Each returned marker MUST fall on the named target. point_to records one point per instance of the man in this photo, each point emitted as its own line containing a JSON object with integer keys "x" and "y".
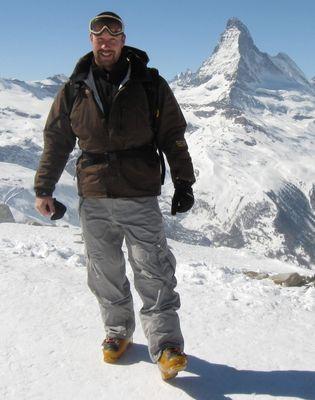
{"x": 107, "y": 105}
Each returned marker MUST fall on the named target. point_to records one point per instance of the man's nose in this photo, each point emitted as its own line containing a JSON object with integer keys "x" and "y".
{"x": 105, "y": 45}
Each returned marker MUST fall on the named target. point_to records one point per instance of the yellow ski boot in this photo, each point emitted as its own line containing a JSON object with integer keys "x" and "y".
{"x": 171, "y": 362}
{"x": 114, "y": 348}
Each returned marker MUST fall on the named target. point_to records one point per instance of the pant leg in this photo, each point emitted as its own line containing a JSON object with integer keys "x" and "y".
{"x": 106, "y": 266}
{"x": 154, "y": 273}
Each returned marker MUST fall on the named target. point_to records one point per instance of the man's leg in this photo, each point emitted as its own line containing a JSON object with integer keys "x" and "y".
{"x": 154, "y": 268}
{"x": 106, "y": 266}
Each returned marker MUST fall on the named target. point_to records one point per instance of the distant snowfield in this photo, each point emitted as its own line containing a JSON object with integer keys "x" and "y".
{"x": 17, "y": 190}
{"x": 245, "y": 338}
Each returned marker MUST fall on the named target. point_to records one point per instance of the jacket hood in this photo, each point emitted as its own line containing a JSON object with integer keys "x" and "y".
{"x": 138, "y": 60}
{"x": 142, "y": 55}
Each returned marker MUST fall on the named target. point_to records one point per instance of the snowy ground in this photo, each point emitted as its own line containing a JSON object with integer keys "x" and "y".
{"x": 245, "y": 338}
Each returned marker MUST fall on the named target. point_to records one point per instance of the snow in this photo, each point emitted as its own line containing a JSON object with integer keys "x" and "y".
{"x": 245, "y": 338}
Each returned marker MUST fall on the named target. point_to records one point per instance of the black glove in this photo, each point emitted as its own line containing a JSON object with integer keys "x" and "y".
{"x": 183, "y": 198}
{"x": 60, "y": 210}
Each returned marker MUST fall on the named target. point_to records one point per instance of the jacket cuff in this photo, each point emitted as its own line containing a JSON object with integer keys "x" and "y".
{"x": 43, "y": 193}
{"x": 180, "y": 183}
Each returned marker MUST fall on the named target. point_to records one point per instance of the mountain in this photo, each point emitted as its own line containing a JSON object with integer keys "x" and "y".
{"x": 251, "y": 129}
{"x": 39, "y": 89}
{"x": 23, "y": 111}
{"x": 251, "y": 120}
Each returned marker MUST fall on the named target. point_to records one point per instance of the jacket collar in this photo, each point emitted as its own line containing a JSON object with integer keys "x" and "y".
{"x": 137, "y": 58}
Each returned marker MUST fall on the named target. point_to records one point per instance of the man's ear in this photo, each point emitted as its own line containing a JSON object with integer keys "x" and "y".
{"x": 91, "y": 37}
{"x": 123, "y": 38}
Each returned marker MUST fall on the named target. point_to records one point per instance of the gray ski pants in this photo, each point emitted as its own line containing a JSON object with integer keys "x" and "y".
{"x": 105, "y": 224}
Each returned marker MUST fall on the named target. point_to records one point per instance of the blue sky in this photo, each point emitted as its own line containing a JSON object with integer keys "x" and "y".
{"x": 42, "y": 38}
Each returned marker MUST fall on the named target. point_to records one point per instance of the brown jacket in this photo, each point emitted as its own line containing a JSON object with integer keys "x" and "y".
{"x": 127, "y": 127}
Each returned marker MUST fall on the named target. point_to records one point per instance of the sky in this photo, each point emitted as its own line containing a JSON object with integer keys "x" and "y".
{"x": 42, "y": 38}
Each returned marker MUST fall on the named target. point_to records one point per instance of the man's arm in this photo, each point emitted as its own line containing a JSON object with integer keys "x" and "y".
{"x": 171, "y": 139}
{"x": 59, "y": 141}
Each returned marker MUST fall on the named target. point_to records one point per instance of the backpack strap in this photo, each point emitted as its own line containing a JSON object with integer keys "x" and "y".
{"x": 152, "y": 92}
{"x": 71, "y": 92}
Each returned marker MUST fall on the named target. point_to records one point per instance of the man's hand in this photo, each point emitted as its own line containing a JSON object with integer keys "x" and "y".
{"x": 45, "y": 205}
{"x": 183, "y": 198}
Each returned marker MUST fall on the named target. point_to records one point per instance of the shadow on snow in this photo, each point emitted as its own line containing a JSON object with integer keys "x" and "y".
{"x": 216, "y": 381}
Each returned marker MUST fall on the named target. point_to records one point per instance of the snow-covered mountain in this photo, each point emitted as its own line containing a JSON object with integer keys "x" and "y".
{"x": 251, "y": 132}
{"x": 252, "y": 138}
{"x": 23, "y": 111}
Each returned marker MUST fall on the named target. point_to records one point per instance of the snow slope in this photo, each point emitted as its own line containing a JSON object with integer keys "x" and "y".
{"x": 245, "y": 338}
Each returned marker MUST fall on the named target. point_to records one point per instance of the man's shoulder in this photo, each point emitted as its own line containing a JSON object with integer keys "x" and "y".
{"x": 157, "y": 77}
{"x": 161, "y": 81}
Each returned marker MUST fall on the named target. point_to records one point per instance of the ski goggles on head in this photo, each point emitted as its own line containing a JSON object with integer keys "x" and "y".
{"x": 114, "y": 26}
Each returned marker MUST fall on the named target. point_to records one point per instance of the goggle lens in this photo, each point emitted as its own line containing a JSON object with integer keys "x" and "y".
{"x": 99, "y": 24}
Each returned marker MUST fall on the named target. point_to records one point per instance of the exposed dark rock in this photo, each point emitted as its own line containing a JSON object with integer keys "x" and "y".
{"x": 256, "y": 275}
{"x": 252, "y": 212}
{"x": 231, "y": 112}
{"x": 204, "y": 114}
{"x": 36, "y": 223}
{"x": 296, "y": 221}
{"x": 26, "y": 155}
{"x": 291, "y": 279}
{"x": 5, "y": 213}
{"x": 251, "y": 142}
{"x": 234, "y": 238}
{"x": 249, "y": 125}
{"x": 184, "y": 235}
{"x": 312, "y": 197}
{"x": 39, "y": 90}
{"x": 9, "y": 110}
{"x": 191, "y": 128}
{"x": 299, "y": 117}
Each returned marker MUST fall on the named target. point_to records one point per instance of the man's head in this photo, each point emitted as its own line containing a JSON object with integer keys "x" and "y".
{"x": 107, "y": 38}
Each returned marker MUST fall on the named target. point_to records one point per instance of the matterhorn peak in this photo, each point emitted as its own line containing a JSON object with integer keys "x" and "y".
{"x": 238, "y": 24}
{"x": 235, "y": 43}
{"x": 238, "y": 32}
{"x": 237, "y": 65}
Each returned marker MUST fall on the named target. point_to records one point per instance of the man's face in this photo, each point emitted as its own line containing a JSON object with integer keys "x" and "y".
{"x": 107, "y": 48}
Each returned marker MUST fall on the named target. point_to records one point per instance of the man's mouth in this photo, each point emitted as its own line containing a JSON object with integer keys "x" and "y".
{"x": 105, "y": 53}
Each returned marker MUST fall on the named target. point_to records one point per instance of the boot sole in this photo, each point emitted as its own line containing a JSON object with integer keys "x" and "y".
{"x": 172, "y": 372}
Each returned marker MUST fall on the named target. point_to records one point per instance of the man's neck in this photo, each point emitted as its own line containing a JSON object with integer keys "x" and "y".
{"x": 116, "y": 73}
{"x": 102, "y": 67}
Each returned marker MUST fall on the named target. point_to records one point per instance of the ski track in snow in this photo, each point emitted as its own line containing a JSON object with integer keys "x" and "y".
{"x": 245, "y": 338}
